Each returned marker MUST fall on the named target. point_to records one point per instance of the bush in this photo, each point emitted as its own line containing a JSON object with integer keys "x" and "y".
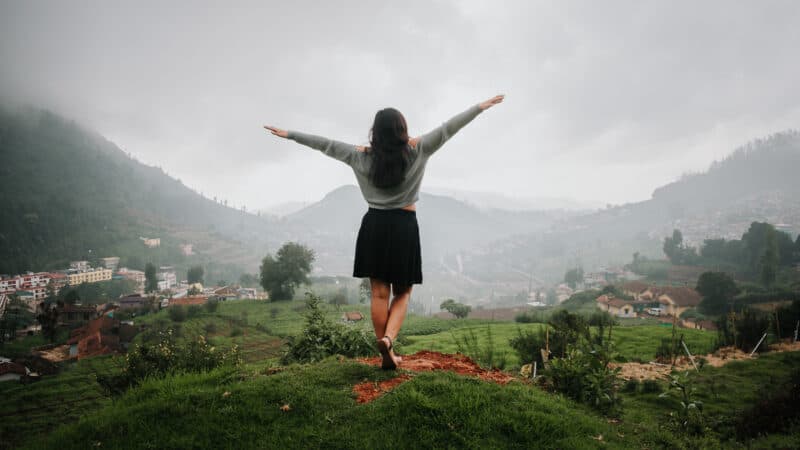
{"x": 321, "y": 338}
{"x": 485, "y": 356}
{"x": 193, "y": 311}
{"x": 688, "y": 416}
{"x": 651, "y": 387}
{"x": 630, "y": 386}
{"x": 273, "y": 312}
{"x": 211, "y": 305}
{"x": 528, "y": 345}
{"x": 584, "y": 375}
{"x": 459, "y": 310}
{"x": 745, "y": 331}
{"x": 177, "y": 313}
{"x": 210, "y": 327}
{"x": 165, "y": 357}
{"x": 568, "y": 330}
{"x": 236, "y": 331}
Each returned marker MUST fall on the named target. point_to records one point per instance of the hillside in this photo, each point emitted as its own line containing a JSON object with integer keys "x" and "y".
{"x": 758, "y": 182}
{"x": 69, "y": 194}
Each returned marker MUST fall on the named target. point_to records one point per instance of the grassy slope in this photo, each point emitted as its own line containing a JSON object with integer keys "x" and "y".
{"x": 631, "y": 342}
{"x": 433, "y": 410}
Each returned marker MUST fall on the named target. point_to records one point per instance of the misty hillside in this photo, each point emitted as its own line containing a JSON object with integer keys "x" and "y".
{"x": 331, "y": 225}
{"x": 67, "y": 191}
{"x": 757, "y": 182}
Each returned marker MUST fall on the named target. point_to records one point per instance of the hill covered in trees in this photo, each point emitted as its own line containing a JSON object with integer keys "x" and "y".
{"x": 68, "y": 193}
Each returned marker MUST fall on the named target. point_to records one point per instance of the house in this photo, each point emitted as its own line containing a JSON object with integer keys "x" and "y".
{"x": 166, "y": 278}
{"x": 676, "y": 300}
{"x": 11, "y": 371}
{"x": 226, "y": 293}
{"x": 75, "y": 314}
{"x": 352, "y": 316}
{"x": 247, "y": 293}
{"x": 133, "y": 301}
{"x": 634, "y": 288}
{"x": 617, "y": 307}
{"x": 111, "y": 262}
{"x": 137, "y": 276}
{"x": 101, "y": 336}
{"x": 189, "y": 301}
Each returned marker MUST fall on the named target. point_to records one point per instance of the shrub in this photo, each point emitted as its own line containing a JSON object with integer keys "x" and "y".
{"x": 689, "y": 410}
{"x": 528, "y": 345}
{"x": 236, "y": 331}
{"x": 177, "y": 313}
{"x": 487, "y": 355}
{"x": 193, "y": 311}
{"x": 321, "y": 338}
{"x": 651, "y": 387}
{"x": 584, "y": 375}
{"x": 568, "y": 330}
{"x": 165, "y": 357}
{"x": 211, "y": 305}
{"x": 745, "y": 331}
{"x": 210, "y": 327}
{"x": 630, "y": 386}
{"x": 273, "y": 312}
{"x": 459, "y": 310}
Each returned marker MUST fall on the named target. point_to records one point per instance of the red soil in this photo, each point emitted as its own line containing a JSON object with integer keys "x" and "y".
{"x": 425, "y": 361}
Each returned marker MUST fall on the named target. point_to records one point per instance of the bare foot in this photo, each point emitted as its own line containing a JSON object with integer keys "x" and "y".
{"x": 389, "y": 360}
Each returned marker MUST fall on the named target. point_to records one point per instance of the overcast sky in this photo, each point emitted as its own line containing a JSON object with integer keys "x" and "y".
{"x": 605, "y": 100}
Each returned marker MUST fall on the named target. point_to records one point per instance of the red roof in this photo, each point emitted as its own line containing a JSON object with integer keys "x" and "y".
{"x": 197, "y": 300}
{"x": 67, "y": 308}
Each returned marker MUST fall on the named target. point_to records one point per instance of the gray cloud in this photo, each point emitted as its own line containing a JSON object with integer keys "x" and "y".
{"x": 596, "y": 91}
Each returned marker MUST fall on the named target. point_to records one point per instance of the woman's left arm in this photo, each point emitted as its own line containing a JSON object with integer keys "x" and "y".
{"x": 347, "y": 153}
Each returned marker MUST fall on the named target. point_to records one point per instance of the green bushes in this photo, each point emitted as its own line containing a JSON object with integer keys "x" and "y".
{"x": 744, "y": 330}
{"x": 177, "y": 313}
{"x": 585, "y": 376}
{"x": 321, "y": 338}
{"x": 211, "y": 305}
{"x": 167, "y": 356}
{"x": 487, "y": 355}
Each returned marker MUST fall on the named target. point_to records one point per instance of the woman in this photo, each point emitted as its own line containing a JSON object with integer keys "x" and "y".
{"x": 389, "y": 173}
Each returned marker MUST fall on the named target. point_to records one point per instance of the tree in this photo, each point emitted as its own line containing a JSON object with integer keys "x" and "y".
{"x": 72, "y": 297}
{"x": 150, "y": 280}
{"x": 248, "y": 280}
{"x": 717, "y": 289}
{"x": 16, "y": 316}
{"x": 287, "y": 270}
{"x": 47, "y": 316}
{"x": 339, "y": 298}
{"x": 769, "y": 259}
{"x": 457, "y": 309}
{"x": 573, "y": 277}
{"x": 195, "y": 274}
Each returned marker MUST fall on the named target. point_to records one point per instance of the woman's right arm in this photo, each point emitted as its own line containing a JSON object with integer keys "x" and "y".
{"x": 432, "y": 141}
{"x": 335, "y": 149}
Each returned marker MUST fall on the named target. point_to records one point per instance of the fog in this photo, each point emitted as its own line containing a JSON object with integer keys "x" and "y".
{"x": 605, "y": 102}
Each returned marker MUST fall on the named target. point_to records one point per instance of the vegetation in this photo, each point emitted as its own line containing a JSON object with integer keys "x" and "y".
{"x": 718, "y": 290}
{"x": 195, "y": 274}
{"x": 573, "y": 277}
{"x": 289, "y": 269}
{"x": 150, "y": 280}
{"x": 459, "y": 310}
{"x": 321, "y": 338}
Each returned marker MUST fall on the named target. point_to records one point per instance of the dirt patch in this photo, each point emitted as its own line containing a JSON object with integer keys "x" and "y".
{"x": 55, "y": 354}
{"x": 425, "y": 361}
{"x": 724, "y": 355}
{"x": 370, "y": 390}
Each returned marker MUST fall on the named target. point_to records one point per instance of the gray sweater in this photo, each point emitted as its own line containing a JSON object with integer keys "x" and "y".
{"x": 405, "y": 193}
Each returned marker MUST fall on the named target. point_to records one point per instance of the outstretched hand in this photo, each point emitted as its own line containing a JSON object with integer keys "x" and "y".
{"x": 277, "y": 131}
{"x": 492, "y": 101}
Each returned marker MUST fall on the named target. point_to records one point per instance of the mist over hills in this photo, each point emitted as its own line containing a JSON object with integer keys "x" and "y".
{"x": 67, "y": 190}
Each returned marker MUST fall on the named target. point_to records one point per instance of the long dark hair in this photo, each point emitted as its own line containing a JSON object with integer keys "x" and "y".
{"x": 388, "y": 139}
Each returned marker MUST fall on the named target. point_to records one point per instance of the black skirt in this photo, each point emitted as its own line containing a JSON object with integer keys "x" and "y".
{"x": 387, "y": 247}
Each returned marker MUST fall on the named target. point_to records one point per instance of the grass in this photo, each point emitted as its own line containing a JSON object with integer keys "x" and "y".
{"x": 30, "y": 410}
{"x": 632, "y": 343}
{"x": 433, "y": 410}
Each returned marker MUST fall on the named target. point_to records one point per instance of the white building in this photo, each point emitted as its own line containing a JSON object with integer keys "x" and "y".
{"x": 166, "y": 278}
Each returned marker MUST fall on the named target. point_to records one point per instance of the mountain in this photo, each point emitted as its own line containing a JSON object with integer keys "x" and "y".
{"x": 757, "y": 182}
{"x": 493, "y": 200}
{"x": 68, "y": 193}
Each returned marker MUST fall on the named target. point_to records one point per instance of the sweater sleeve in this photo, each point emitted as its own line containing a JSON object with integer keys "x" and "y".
{"x": 346, "y": 153}
{"x": 431, "y": 141}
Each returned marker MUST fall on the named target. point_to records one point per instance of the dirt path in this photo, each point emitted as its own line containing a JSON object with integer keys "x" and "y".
{"x": 654, "y": 371}
{"x": 424, "y": 361}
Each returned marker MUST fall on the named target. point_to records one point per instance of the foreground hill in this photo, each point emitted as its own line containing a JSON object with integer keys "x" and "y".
{"x": 68, "y": 193}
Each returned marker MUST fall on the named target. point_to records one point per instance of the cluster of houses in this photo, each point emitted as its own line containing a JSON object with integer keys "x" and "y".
{"x": 654, "y": 301}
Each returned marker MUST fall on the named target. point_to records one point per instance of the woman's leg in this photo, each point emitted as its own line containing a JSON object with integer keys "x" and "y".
{"x": 379, "y": 306}
{"x": 397, "y": 311}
